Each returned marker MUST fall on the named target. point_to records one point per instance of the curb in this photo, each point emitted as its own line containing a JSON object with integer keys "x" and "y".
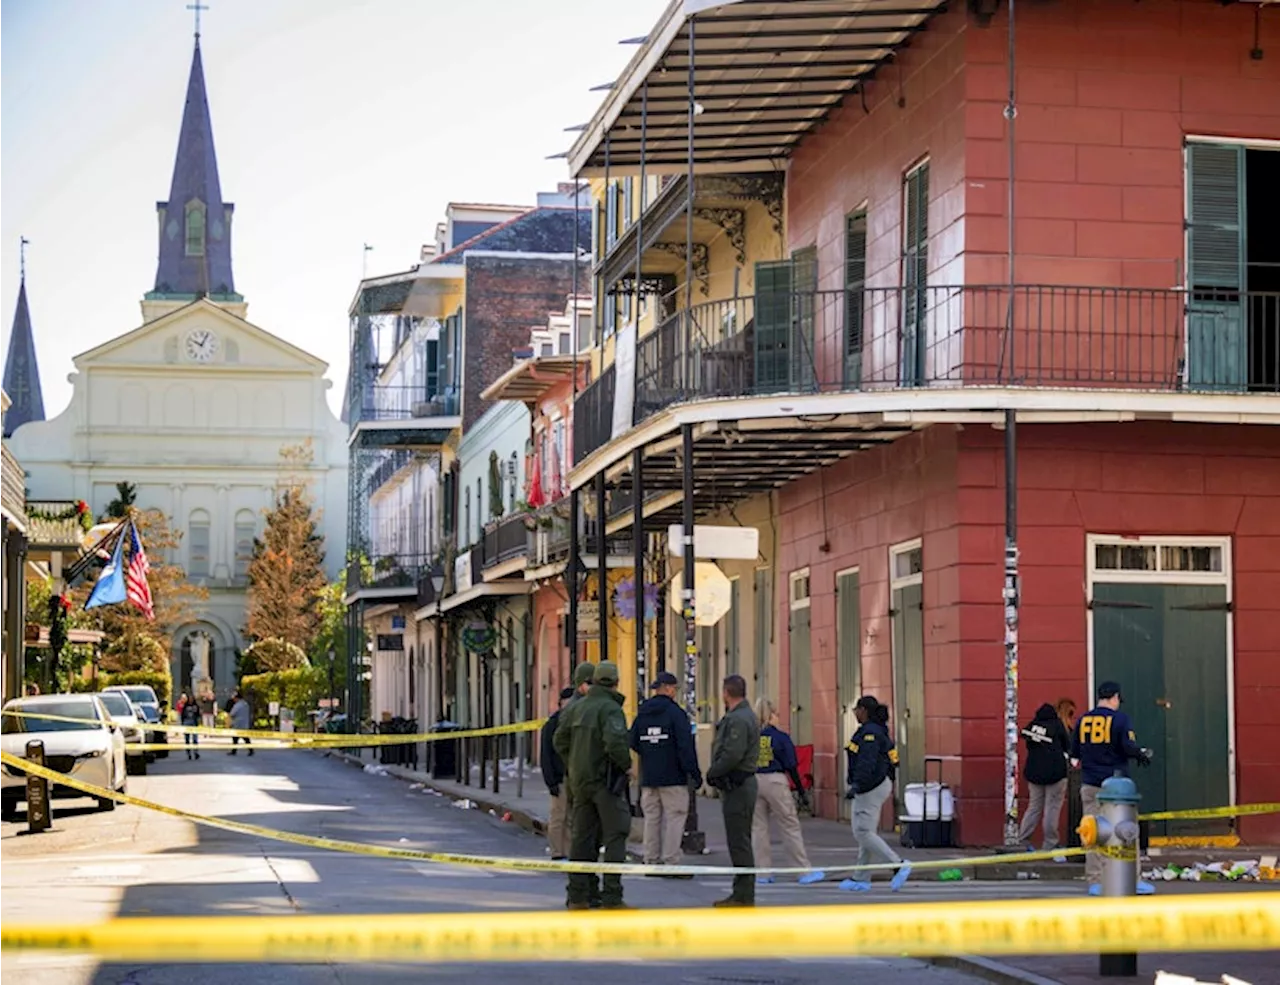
{"x": 991, "y": 971}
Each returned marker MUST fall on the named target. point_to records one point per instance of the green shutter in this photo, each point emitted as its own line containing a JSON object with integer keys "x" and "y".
{"x": 804, "y": 275}
{"x": 1217, "y": 346}
{"x": 915, "y": 274}
{"x": 855, "y": 276}
{"x": 772, "y": 325}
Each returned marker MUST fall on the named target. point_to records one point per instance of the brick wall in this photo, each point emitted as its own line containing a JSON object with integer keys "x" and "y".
{"x": 505, "y": 297}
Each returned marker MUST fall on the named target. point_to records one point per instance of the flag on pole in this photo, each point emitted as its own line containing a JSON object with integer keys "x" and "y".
{"x": 138, "y": 590}
{"x": 109, "y": 588}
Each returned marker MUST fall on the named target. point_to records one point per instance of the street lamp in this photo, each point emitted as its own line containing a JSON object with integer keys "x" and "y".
{"x": 437, "y": 585}
{"x": 332, "y": 657}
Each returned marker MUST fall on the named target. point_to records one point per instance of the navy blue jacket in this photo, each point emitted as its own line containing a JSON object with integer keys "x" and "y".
{"x": 552, "y": 764}
{"x": 663, "y": 736}
{"x": 1104, "y": 743}
{"x": 871, "y": 757}
{"x": 777, "y": 751}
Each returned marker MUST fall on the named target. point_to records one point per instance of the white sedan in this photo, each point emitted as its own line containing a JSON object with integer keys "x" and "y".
{"x": 132, "y": 724}
{"x": 90, "y": 747}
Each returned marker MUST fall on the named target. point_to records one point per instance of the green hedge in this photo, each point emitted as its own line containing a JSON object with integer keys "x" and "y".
{"x": 300, "y": 690}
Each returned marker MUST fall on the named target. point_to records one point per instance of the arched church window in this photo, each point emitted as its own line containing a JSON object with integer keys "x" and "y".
{"x": 195, "y": 230}
{"x": 198, "y": 545}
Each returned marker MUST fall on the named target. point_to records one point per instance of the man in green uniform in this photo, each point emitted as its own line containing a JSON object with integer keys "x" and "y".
{"x": 593, "y": 741}
{"x": 582, "y": 677}
{"x": 733, "y": 772}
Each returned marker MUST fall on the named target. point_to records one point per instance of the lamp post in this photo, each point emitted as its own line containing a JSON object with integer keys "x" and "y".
{"x": 332, "y": 657}
{"x": 437, "y": 584}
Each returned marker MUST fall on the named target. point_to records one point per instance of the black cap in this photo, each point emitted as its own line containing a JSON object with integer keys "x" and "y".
{"x": 664, "y": 678}
{"x": 1108, "y": 689}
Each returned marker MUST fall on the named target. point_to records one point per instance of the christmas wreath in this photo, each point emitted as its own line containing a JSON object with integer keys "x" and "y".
{"x": 79, "y": 510}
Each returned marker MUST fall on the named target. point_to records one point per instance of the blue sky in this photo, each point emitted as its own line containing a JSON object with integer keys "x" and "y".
{"x": 337, "y": 122}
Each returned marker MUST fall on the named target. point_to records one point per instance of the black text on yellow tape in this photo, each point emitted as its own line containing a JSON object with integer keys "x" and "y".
{"x": 507, "y": 863}
{"x": 1220, "y": 922}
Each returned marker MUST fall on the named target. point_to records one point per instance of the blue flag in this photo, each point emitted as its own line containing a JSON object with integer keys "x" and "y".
{"x": 110, "y": 587}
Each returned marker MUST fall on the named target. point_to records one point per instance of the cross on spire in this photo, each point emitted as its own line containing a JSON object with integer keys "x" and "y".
{"x": 197, "y": 7}
{"x": 22, "y": 257}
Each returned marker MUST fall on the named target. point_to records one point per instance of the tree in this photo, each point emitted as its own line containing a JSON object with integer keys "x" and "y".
{"x": 286, "y": 574}
{"x": 174, "y": 597}
{"x": 126, "y": 496}
{"x": 274, "y": 654}
{"x": 135, "y": 652}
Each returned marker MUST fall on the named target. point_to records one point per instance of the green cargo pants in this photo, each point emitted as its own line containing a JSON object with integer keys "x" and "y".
{"x": 739, "y": 806}
{"x": 601, "y": 819}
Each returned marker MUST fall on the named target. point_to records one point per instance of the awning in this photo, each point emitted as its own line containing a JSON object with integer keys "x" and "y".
{"x": 529, "y": 379}
{"x": 483, "y": 590}
{"x": 765, "y": 73}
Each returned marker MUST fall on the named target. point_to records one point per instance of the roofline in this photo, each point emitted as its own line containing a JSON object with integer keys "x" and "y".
{"x": 529, "y": 365}
{"x": 423, "y": 271}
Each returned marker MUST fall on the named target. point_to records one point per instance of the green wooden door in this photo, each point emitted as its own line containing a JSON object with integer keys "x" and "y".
{"x": 762, "y": 627}
{"x": 804, "y": 283}
{"x": 855, "y": 277}
{"x": 1217, "y": 341}
{"x": 908, "y": 683}
{"x": 915, "y": 276}
{"x": 801, "y": 678}
{"x": 848, "y": 670}
{"x": 1166, "y": 645}
{"x": 772, "y": 326}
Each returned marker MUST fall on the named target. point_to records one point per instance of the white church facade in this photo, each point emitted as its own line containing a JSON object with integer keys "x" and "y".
{"x": 194, "y": 408}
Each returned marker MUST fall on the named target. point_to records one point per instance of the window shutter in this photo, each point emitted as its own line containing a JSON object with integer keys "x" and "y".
{"x": 855, "y": 277}
{"x": 915, "y": 275}
{"x": 1215, "y": 189}
{"x": 772, "y": 324}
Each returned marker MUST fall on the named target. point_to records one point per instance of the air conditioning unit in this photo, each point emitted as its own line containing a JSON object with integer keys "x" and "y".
{"x": 428, "y": 408}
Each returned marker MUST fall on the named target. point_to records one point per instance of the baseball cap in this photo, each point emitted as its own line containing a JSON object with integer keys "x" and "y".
{"x": 664, "y": 678}
{"x": 583, "y": 673}
{"x": 1108, "y": 689}
{"x": 606, "y": 674}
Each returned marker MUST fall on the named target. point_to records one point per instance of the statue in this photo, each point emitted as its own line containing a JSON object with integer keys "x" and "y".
{"x": 201, "y": 680}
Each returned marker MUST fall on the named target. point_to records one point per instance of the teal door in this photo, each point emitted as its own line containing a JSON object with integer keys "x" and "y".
{"x": 848, "y": 671}
{"x": 772, "y": 339}
{"x": 1217, "y": 345}
{"x": 908, "y": 683}
{"x": 801, "y": 678}
{"x": 1166, "y": 645}
{"x": 804, "y": 358}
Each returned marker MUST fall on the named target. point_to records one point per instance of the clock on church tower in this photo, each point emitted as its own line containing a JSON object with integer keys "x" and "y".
{"x": 201, "y": 345}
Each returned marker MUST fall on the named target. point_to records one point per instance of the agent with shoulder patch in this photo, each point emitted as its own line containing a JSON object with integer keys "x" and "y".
{"x": 872, "y": 766}
{"x": 733, "y": 772}
{"x": 663, "y": 736}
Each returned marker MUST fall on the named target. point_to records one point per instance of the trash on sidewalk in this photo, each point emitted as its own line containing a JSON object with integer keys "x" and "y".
{"x": 506, "y": 816}
{"x": 375, "y": 769}
{"x": 464, "y": 804}
{"x": 1168, "y": 978}
{"x": 950, "y": 875}
{"x": 1246, "y": 871}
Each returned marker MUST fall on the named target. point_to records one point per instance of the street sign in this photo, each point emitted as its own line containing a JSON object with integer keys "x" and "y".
{"x": 712, "y": 593}
{"x": 723, "y": 543}
{"x": 588, "y": 620}
{"x": 38, "y": 817}
{"x": 273, "y": 707}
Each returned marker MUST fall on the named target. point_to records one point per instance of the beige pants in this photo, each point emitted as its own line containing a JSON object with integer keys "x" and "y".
{"x": 775, "y": 800}
{"x": 558, "y": 825}
{"x": 665, "y": 810}
{"x": 1045, "y": 802}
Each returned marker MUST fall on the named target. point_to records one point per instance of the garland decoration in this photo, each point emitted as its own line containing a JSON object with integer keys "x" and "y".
{"x": 79, "y": 510}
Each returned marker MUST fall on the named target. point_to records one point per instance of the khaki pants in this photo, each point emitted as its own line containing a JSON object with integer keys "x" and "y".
{"x": 558, "y": 825}
{"x": 775, "y": 800}
{"x": 1045, "y": 802}
{"x": 865, "y": 822}
{"x": 665, "y": 810}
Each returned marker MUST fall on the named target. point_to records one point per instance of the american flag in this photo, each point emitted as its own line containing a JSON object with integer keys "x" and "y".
{"x": 137, "y": 590}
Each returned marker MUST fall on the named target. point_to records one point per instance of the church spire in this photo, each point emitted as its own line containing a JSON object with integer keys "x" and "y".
{"x": 21, "y": 373}
{"x": 195, "y": 223}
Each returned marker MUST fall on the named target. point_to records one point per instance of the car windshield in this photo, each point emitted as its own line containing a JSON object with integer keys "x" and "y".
{"x": 140, "y": 695}
{"x": 85, "y": 712}
{"x": 116, "y": 703}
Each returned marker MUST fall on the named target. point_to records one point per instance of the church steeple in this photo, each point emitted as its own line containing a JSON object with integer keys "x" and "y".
{"x": 21, "y": 374}
{"x": 195, "y": 223}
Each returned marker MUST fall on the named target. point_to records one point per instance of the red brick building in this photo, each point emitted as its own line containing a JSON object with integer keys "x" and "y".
{"x": 864, "y": 380}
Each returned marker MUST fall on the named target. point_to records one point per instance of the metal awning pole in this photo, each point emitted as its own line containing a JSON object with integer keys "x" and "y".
{"x": 637, "y": 530}
{"x": 602, "y": 568}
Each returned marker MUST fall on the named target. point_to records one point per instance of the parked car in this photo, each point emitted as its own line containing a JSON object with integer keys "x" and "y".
{"x": 91, "y": 748}
{"x": 129, "y": 718}
{"x": 145, "y": 698}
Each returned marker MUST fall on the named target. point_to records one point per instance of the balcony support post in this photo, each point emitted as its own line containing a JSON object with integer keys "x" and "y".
{"x": 571, "y": 585}
{"x": 602, "y": 569}
{"x": 637, "y": 530}
{"x": 694, "y": 841}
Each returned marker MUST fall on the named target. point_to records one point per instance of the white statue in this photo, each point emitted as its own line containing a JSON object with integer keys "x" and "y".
{"x": 201, "y": 680}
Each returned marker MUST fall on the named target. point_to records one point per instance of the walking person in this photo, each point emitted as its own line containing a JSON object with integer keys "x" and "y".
{"x": 553, "y": 775}
{"x": 189, "y": 714}
{"x": 208, "y": 709}
{"x": 593, "y": 742}
{"x": 663, "y": 736}
{"x": 1048, "y": 752}
{"x": 734, "y": 754}
{"x": 1103, "y": 744}
{"x": 872, "y": 766}
{"x": 777, "y": 762}
{"x": 241, "y": 718}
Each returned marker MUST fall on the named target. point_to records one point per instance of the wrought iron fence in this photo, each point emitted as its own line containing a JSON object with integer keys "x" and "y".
{"x": 403, "y": 403}
{"x": 505, "y": 539}
{"x": 884, "y": 338}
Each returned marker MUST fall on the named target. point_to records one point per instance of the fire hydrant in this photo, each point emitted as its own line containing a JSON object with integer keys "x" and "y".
{"x": 1116, "y": 829}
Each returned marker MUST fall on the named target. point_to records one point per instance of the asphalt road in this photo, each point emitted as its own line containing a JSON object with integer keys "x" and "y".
{"x": 132, "y": 862}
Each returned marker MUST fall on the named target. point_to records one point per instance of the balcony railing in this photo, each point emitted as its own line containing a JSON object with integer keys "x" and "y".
{"x": 506, "y": 539}
{"x": 889, "y": 338}
{"x": 388, "y": 570}
{"x": 55, "y": 523}
{"x": 403, "y": 403}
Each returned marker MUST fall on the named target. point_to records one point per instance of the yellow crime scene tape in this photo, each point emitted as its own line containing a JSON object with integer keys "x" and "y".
{"x": 508, "y": 863}
{"x": 303, "y": 739}
{"x": 1217, "y": 922}
{"x": 1190, "y": 814}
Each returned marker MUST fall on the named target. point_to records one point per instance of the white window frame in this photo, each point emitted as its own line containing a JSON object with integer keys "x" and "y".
{"x": 896, "y": 551}
{"x": 792, "y": 579}
{"x": 1093, "y": 575}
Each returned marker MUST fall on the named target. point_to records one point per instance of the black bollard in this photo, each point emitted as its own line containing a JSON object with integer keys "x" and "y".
{"x": 38, "y": 816}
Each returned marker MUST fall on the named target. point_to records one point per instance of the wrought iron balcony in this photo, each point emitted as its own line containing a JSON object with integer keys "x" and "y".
{"x": 387, "y": 570}
{"x": 403, "y": 403}
{"x": 890, "y": 338}
{"x": 506, "y": 538}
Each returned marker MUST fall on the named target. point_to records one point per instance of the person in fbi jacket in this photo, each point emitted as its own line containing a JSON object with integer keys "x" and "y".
{"x": 1103, "y": 744}
{"x": 663, "y": 736}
